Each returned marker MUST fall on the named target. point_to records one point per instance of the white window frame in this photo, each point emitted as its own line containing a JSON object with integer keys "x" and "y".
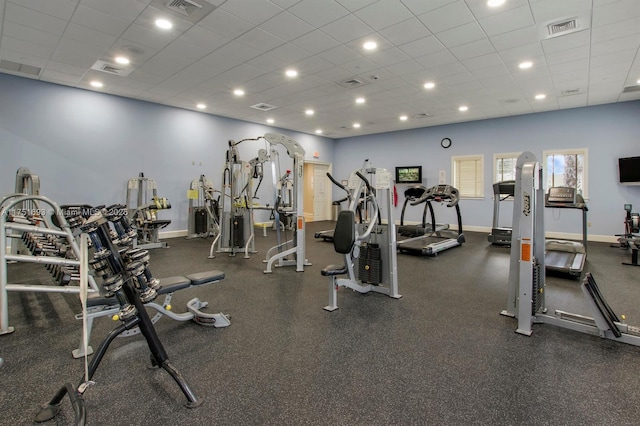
{"x": 503, "y": 156}
{"x": 479, "y": 175}
{"x": 572, "y": 151}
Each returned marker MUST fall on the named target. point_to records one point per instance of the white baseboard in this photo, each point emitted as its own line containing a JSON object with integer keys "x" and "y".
{"x": 548, "y": 234}
{"x": 173, "y": 234}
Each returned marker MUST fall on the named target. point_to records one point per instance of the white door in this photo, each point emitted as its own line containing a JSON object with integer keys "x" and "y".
{"x": 321, "y": 193}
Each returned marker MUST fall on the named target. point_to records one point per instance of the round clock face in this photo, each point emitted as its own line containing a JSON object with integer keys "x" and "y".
{"x": 445, "y": 143}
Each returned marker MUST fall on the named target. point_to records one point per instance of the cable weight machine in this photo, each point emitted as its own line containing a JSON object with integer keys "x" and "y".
{"x": 526, "y": 299}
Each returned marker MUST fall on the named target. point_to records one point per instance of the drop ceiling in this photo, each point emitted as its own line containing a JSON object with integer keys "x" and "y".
{"x": 470, "y": 51}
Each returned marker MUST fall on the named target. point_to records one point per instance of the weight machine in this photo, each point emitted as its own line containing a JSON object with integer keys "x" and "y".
{"x": 630, "y": 240}
{"x": 371, "y": 243}
{"x": 203, "y": 218}
{"x": 144, "y": 214}
{"x": 236, "y": 226}
{"x": 526, "y": 292}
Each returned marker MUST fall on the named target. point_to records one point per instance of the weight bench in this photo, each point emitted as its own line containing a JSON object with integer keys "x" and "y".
{"x": 100, "y": 306}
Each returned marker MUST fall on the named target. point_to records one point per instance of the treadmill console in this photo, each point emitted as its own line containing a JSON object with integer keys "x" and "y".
{"x": 440, "y": 193}
{"x": 562, "y": 194}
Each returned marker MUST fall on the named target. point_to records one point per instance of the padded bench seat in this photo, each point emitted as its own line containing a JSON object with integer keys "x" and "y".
{"x": 167, "y": 285}
{"x": 333, "y": 270}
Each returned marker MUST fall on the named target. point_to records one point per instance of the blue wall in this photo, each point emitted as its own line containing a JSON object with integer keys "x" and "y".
{"x": 86, "y": 145}
{"x": 608, "y": 131}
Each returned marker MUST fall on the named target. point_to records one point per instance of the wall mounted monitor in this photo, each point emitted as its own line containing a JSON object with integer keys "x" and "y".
{"x": 409, "y": 174}
{"x": 629, "y": 170}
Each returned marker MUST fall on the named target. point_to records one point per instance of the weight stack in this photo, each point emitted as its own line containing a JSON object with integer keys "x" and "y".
{"x": 537, "y": 291}
{"x": 201, "y": 220}
{"x": 237, "y": 224}
{"x": 370, "y": 264}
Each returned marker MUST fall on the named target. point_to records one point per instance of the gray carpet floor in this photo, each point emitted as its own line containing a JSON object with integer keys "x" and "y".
{"x": 440, "y": 355}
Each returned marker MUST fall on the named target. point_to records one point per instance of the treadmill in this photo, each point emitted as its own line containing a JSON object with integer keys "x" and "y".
{"x": 501, "y": 236}
{"x": 412, "y": 194}
{"x": 566, "y": 256}
{"x": 439, "y": 240}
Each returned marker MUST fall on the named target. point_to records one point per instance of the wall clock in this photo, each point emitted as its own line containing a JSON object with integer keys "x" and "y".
{"x": 445, "y": 143}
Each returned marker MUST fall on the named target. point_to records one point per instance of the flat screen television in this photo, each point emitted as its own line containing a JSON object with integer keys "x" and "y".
{"x": 409, "y": 174}
{"x": 629, "y": 170}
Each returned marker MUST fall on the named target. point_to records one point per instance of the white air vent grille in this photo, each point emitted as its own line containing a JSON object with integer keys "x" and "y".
{"x": 111, "y": 68}
{"x": 562, "y": 27}
{"x": 570, "y": 92}
{"x": 190, "y": 10}
{"x": 631, "y": 89}
{"x": 19, "y": 68}
{"x": 353, "y": 82}
{"x": 263, "y": 107}
{"x": 184, "y": 7}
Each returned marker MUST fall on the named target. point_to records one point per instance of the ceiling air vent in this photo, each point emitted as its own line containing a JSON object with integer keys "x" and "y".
{"x": 422, "y": 115}
{"x": 190, "y": 10}
{"x": 19, "y": 68}
{"x": 570, "y": 92}
{"x": 631, "y": 89}
{"x": 111, "y": 68}
{"x": 353, "y": 82}
{"x": 263, "y": 107}
{"x": 562, "y": 27}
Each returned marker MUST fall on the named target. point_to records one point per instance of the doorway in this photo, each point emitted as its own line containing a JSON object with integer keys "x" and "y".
{"x": 317, "y": 191}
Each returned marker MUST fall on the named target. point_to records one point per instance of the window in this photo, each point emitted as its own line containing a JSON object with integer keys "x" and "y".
{"x": 566, "y": 167}
{"x": 468, "y": 175}
{"x": 504, "y": 166}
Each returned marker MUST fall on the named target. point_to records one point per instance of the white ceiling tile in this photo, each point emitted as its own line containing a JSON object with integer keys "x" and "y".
{"x": 441, "y": 57}
{"x": 238, "y": 51}
{"x": 615, "y": 30}
{"x": 30, "y": 35}
{"x": 551, "y": 10}
{"x": 254, "y": 11}
{"x": 312, "y": 65}
{"x": 623, "y": 43}
{"x": 225, "y": 24}
{"x": 204, "y": 38}
{"x": 480, "y": 9}
{"x": 449, "y": 16}
{"x": 339, "y": 55}
{"x": 463, "y": 34}
{"x": 286, "y": 26}
{"x": 34, "y": 19}
{"x": 62, "y": 9}
{"x": 471, "y": 50}
{"x": 29, "y": 49}
{"x": 491, "y": 71}
{"x": 147, "y": 37}
{"x": 289, "y": 53}
{"x": 347, "y": 29}
{"x": 360, "y": 65}
{"x": 267, "y": 63}
{"x": 318, "y": 13}
{"x": 316, "y": 42}
{"x": 526, "y": 35}
{"x": 418, "y": 7}
{"x": 574, "y": 101}
{"x": 612, "y": 14}
{"x": 404, "y": 68}
{"x": 581, "y": 52}
{"x": 522, "y": 53}
{"x": 483, "y": 61}
{"x": 285, "y": 3}
{"x": 353, "y": 5}
{"x": 126, "y": 10}
{"x": 422, "y": 47}
{"x": 260, "y": 40}
{"x": 405, "y": 31}
{"x": 99, "y": 21}
{"x": 384, "y": 14}
{"x": 507, "y": 21}
{"x": 88, "y": 35}
{"x": 569, "y": 41}
{"x": 618, "y": 57}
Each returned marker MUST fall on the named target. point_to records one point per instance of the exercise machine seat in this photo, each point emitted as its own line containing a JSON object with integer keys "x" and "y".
{"x": 200, "y": 278}
{"x": 333, "y": 270}
{"x": 344, "y": 235}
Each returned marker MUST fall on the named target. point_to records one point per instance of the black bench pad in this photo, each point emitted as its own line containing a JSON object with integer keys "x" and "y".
{"x": 205, "y": 277}
{"x": 332, "y": 270}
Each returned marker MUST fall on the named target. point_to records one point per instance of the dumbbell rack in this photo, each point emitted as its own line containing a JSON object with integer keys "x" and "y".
{"x": 15, "y": 224}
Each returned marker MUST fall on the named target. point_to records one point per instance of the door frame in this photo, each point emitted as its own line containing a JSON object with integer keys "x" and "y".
{"x": 330, "y": 190}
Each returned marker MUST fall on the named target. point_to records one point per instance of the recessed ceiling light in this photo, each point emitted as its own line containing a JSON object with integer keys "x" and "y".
{"x": 540, "y": 96}
{"x": 495, "y": 3}
{"x": 122, "y": 60}
{"x": 291, "y": 73}
{"x": 238, "y": 92}
{"x": 463, "y": 108}
{"x": 165, "y": 24}
{"x": 524, "y": 65}
{"x": 429, "y": 85}
{"x": 638, "y": 81}
{"x": 201, "y": 106}
{"x": 403, "y": 118}
{"x": 318, "y": 131}
{"x": 270, "y": 120}
{"x": 370, "y": 45}
{"x": 309, "y": 112}
{"x": 96, "y": 84}
{"x": 360, "y": 100}
{"x": 356, "y": 125}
